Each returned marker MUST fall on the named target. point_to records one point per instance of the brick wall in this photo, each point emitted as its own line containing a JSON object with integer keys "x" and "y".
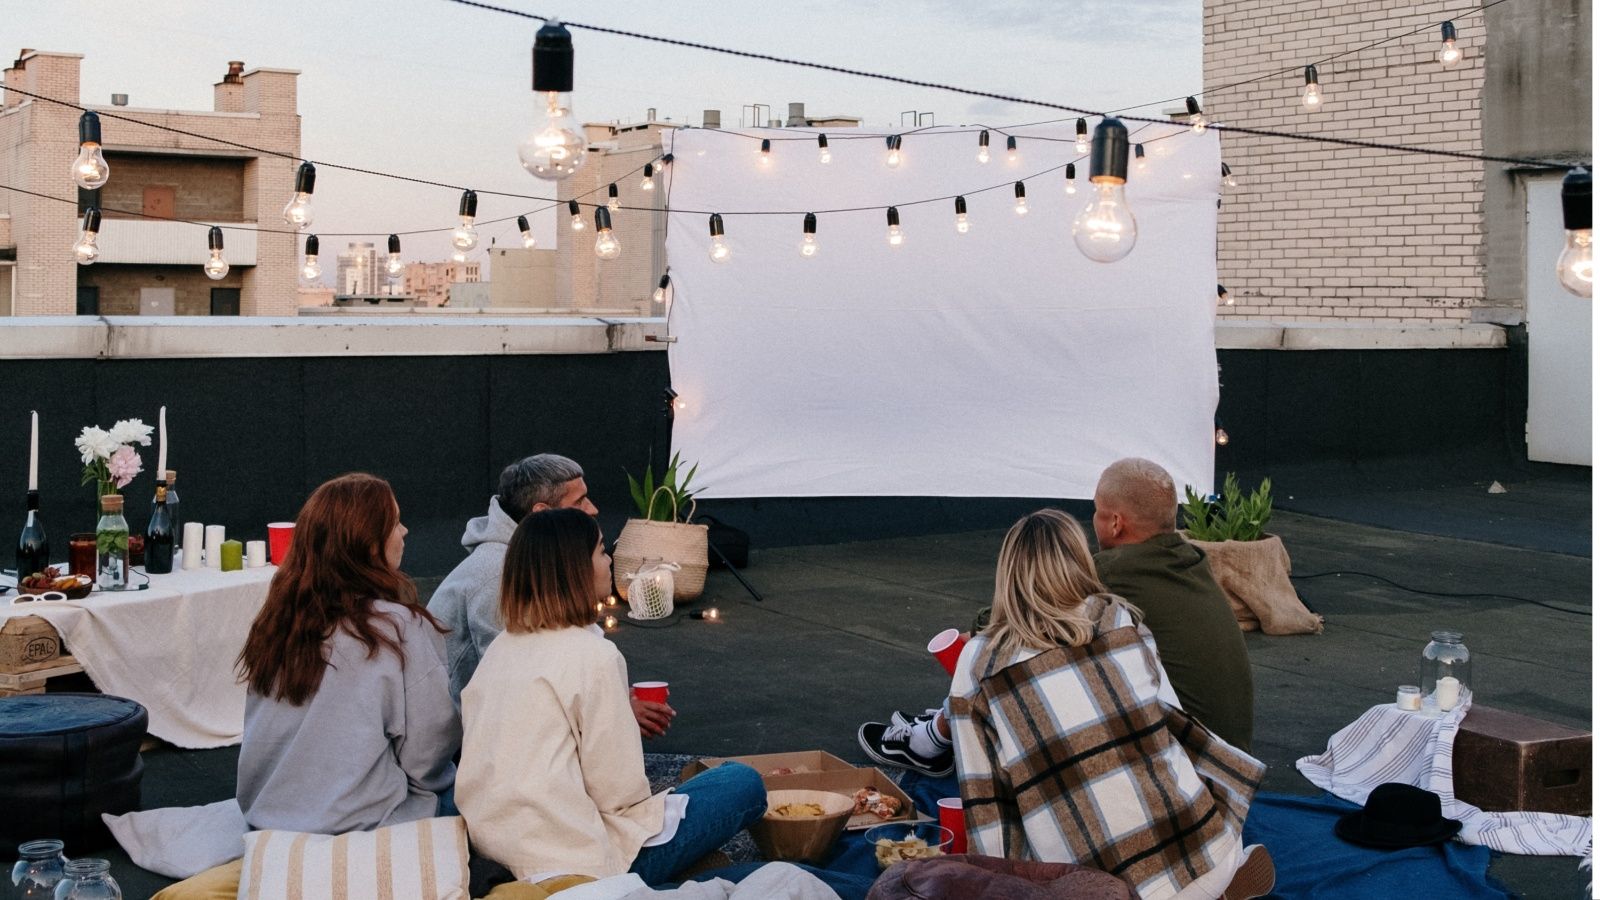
{"x": 120, "y": 285}
{"x": 205, "y": 188}
{"x": 626, "y": 283}
{"x": 1318, "y": 232}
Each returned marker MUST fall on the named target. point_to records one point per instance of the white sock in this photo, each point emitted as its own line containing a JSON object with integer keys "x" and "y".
{"x": 926, "y": 741}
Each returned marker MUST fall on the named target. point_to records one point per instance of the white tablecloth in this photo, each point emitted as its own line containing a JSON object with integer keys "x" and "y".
{"x": 1389, "y": 744}
{"x": 171, "y": 647}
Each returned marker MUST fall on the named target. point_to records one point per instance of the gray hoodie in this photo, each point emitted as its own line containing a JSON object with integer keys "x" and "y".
{"x": 468, "y": 600}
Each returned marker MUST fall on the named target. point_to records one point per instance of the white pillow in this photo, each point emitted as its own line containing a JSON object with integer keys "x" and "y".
{"x": 422, "y": 860}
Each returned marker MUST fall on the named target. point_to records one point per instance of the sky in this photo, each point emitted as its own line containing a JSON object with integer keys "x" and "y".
{"x": 441, "y": 91}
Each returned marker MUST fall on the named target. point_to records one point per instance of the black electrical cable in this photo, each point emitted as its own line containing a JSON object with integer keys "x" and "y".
{"x": 911, "y": 82}
{"x": 1460, "y": 595}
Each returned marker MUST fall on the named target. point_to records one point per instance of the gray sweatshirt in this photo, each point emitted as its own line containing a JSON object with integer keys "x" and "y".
{"x": 468, "y": 600}
{"x": 372, "y": 747}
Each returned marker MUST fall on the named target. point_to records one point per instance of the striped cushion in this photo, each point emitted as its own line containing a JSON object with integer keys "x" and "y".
{"x": 422, "y": 860}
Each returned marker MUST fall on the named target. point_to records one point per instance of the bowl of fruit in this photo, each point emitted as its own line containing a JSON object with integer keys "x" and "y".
{"x": 76, "y": 587}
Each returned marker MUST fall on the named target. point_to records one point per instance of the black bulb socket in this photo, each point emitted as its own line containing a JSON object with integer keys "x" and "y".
{"x": 983, "y": 138}
{"x": 961, "y": 206}
{"x": 611, "y": 190}
{"x": 602, "y": 219}
{"x": 313, "y": 246}
{"x": 522, "y": 223}
{"x": 892, "y": 142}
{"x": 1108, "y": 154}
{"x": 665, "y": 280}
{"x": 305, "y": 178}
{"x": 666, "y": 160}
{"x": 1138, "y": 151}
{"x": 1083, "y": 128}
{"x": 552, "y": 59}
{"x": 894, "y": 216}
{"x": 1011, "y": 143}
{"x": 469, "y": 203}
{"x": 649, "y": 170}
{"x": 766, "y": 145}
{"x": 1020, "y": 190}
{"x": 716, "y": 224}
{"x": 1193, "y": 105}
{"x": 1311, "y": 74}
{"x": 89, "y": 128}
{"x": 214, "y": 238}
{"x": 91, "y": 220}
{"x": 1226, "y": 171}
{"x": 1222, "y": 291}
{"x": 572, "y": 207}
{"x": 394, "y": 243}
{"x": 822, "y": 141}
{"x": 1577, "y": 194}
{"x": 1447, "y": 31}
{"x": 809, "y": 225}
{"x": 1072, "y": 171}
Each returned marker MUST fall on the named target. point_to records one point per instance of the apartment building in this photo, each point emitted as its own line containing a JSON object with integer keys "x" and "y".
{"x": 430, "y": 282}
{"x": 149, "y": 263}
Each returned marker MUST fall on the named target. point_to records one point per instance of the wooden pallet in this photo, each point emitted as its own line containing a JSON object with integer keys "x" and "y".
{"x": 13, "y": 684}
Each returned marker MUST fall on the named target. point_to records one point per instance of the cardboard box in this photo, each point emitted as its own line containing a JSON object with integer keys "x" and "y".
{"x": 769, "y": 764}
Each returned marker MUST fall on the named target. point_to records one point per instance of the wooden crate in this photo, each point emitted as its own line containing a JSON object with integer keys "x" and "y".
{"x": 32, "y": 682}
{"x": 1506, "y": 762}
{"x": 28, "y": 644}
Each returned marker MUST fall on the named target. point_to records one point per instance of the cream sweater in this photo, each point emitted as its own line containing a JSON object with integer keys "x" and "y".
{"x": 552, "y": 766}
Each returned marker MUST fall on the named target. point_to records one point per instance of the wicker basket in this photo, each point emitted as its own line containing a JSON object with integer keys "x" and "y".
{"x": 673, "y": 542}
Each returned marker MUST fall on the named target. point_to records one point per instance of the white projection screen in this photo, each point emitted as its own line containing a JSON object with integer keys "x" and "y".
{"x": 996, "y": 363}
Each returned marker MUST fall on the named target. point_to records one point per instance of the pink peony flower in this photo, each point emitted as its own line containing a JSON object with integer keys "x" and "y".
{"x": 124, "y": 465}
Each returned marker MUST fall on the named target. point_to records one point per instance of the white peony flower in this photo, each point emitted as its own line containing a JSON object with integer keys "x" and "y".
{"x": 95, "y": 443}
{"x": 130, "y": 431}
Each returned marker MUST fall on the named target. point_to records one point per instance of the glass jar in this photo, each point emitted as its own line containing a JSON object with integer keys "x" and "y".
{"x": 1446, "y": 657}
{"x": 41, "y": 866}
{"x": 650, "y": 590}
{"x": 111, "y": 545}
{"x": 88, "y": 879}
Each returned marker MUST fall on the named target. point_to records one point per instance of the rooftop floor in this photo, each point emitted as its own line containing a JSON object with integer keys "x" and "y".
{"x": 839, "y": 639}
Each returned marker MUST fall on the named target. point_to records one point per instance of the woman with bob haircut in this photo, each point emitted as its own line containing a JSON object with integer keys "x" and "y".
{"x": 552, "y": 774}
{"x": 348, "y": 721}
{"x": 1070, "y": 744}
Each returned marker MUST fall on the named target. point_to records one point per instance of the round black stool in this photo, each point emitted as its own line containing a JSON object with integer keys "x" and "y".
{"x": 64, "y": 760}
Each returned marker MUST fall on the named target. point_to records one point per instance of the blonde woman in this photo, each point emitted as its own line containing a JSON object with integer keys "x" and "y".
{"x": 1070, "y": 745}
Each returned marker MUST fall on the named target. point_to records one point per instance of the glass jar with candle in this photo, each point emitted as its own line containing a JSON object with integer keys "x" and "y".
{"x": 40, "y": 867}
{"x": 88, "y": 879}
{"x": 1446, "y": 657}
{"x": 111, "y": 544}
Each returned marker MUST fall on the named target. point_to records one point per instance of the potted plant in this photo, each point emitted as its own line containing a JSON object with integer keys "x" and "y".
{"x": 662, "y": 531}
{"x": 1250, "y": 564}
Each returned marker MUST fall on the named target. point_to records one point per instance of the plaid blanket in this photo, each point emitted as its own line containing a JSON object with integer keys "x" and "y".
{"x": 1068, "y": 755}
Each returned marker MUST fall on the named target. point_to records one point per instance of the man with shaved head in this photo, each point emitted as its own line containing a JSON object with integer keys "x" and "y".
{"x": 1144, "y": 560}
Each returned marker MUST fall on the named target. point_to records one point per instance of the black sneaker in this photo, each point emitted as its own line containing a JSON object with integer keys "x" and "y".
{"x": 890, "y": 745}
{"x": 900, "y": 717}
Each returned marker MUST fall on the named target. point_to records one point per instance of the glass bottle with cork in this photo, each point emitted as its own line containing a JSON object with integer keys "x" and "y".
{"x": 160, "y": 536}
{"x": 173, "y": 509}
{"x": 111, "y": 544}
{"x": 33, "y": 545}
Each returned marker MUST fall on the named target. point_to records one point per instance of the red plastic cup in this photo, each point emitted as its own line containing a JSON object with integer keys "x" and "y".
{"x": 650, "y": 691}
{"x": 952, "y": 817}
{"x": 279, "y": 536}
{"x": 946, "y": 648}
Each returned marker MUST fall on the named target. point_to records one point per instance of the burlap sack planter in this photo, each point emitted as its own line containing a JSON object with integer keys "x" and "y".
{"x": 673, "y": 542}
{"x": 1255, "y": 577}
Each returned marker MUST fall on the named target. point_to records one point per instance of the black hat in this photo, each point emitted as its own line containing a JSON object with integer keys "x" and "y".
{"x": 1397, "y": 816}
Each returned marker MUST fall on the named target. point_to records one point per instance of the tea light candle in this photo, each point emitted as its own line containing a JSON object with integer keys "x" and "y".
{"x": 215, "y": 535}
{"x": 232, "y": 556}
{"x": 1408, "y": 697}
{"x": 194, "y": 538}
{"x": 611, "y": 600}
{"x": 611, "y": 623}
{"x": 255, "y": 553}
{"x": 1448, "y": 693}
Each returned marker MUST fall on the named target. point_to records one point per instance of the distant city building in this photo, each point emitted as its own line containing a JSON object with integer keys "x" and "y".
{"x": 314, "y": 296}
{"x": 149, "y": 263}
{"x": 360, "y": 271}
{"x": 523, "y": 278}
{"x": 430, "y": 282}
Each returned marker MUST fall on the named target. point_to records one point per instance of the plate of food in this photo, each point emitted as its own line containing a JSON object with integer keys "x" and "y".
{"x": 899, "y": 841}
{"x": 76, "y": 587}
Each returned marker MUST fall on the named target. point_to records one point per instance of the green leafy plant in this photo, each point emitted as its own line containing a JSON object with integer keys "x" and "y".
{"x": 1234, "y": 516}
{"x": 670, "y": 499}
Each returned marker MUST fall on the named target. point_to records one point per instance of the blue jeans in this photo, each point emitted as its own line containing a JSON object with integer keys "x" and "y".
{"x": 722, "y": 802}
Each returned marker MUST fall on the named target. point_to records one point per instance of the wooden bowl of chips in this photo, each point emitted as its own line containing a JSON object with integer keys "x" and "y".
{"x": 801, "y": 826}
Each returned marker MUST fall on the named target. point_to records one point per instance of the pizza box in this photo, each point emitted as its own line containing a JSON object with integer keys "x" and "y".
{"x": 847, "y": 782}
{"x": 771, "y": 764}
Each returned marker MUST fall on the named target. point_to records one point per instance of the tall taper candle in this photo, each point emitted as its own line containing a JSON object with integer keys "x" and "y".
{"x": 33, "y": 455}
{"x": 161, "y": 457}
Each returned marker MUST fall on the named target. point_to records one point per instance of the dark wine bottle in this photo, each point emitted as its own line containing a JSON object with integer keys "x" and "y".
{"x": 173, "y": 509}
{"x": 33, "y": 547}
{"x": 158, "y": 537}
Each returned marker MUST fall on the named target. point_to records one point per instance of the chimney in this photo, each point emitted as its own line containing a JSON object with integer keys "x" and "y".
{"x": 797, "y": 115}
{"x": 119, "y": 99}
{"x": 711, "y": 118}
{"x": 228, "y": 94}
{"x": 650, "y": 114}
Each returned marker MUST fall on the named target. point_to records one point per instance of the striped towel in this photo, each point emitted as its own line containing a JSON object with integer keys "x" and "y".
{"x": 421, "y": 860}
{"x": 1388, "y": 744}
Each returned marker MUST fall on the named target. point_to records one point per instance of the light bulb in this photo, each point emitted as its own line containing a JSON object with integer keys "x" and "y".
{"x": 1221, "y": 437}
{"x": 808, "y": 246}
{"x": 395, "y": 267}
{"x": 527, "y": 232}
{"x": 90, "y": 170}
{"x": 648, "y": 182}
{"x": 465, "y": 237}
{"x": 983, "y": 154}
{"x": 1227, "y": 176}
{"x": 1223, "y": 297}
{"x": 660, "y": 295}
{"x": 310, "y": 271}
{"x": 216, "y": 266}
{"x": 892, "y": 143}
{"x": 606, "y": 246}
{"x": 576, "y": 222}
{"x": 1449, "y": 54}
{"x": 896, "y": 236}
{"x": 556, "y": 149}
{"x": 766, "y": 151}
{"x": 459, "y": 256}
{"x": 614, "y": 202}
{"x": 1197, "y": 119}
{"x": 961, "y": 223}
{"x": 1022, "y": 199}
{"x": 1011, "y": 150}
{"x": 720, "y": 252}
{"x": 298, "y": 212}
{"x": 1311, "y": 96}
{"x": 1575, "y": 268}
{"x": 1072, "y": 179}
{"x": 1081, "y": 145}
{"x": 823, "y": 155}
{"x": 1105, "y": 231}
{"x": 983, "y": 146}
{"x": 86, "y": 250}
{"x": 1139, "y": 164}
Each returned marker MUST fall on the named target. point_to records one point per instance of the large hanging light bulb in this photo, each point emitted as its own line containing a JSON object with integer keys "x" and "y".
{"x": 86, "y": 250}
{"x": 1072, "y": 179}
{"x": 720, "y": 252}
{"x": 394, "y": 266}
{"x": 1311, "y": 94}
{"x": 216, "y": 267}
{"x": 766, "y": 151}
{"x": 1219, "y": 434}
{"x": 1081, "y": 144}
{"x": 648, "y": 182}
{"x": 1449, "y": 53}
{"x": 465, "y": 237}
{"x": 311, "y": 269}
{"x": 1011, "y": 149}
{"x": 613, "y": 199}
{"x": 962, "y": 225}
{"x": 605, "y": 243}
{"x": 1020, "y": 191}
{"x": 892, "y": 143}
{"x": 983, "y": 146}
{"x": 1197, "y": 118}
{"x": 1575, "y": 267}
{"x": 576, "y": 214}
{"x": 528, "y": 240}
{"x": 298, "y": 211}
{"x": 556, "y": 148}
{"x": 896, "y": 236}
{"x": 808, "y": 243}
{"x": 1105, "y": 230}
{"x": 824, "y": 156}
{"x": 90, "y": 169}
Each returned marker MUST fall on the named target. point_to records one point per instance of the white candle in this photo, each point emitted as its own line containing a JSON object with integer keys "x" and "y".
{"x": 161, "y": 456}
{"x": 193, "y": 544}
{"x": 1448, "y": 693}
{"x": 256, "y": 553}
{"x": 215, "y": 535}
{"x": 33, "y": 455}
